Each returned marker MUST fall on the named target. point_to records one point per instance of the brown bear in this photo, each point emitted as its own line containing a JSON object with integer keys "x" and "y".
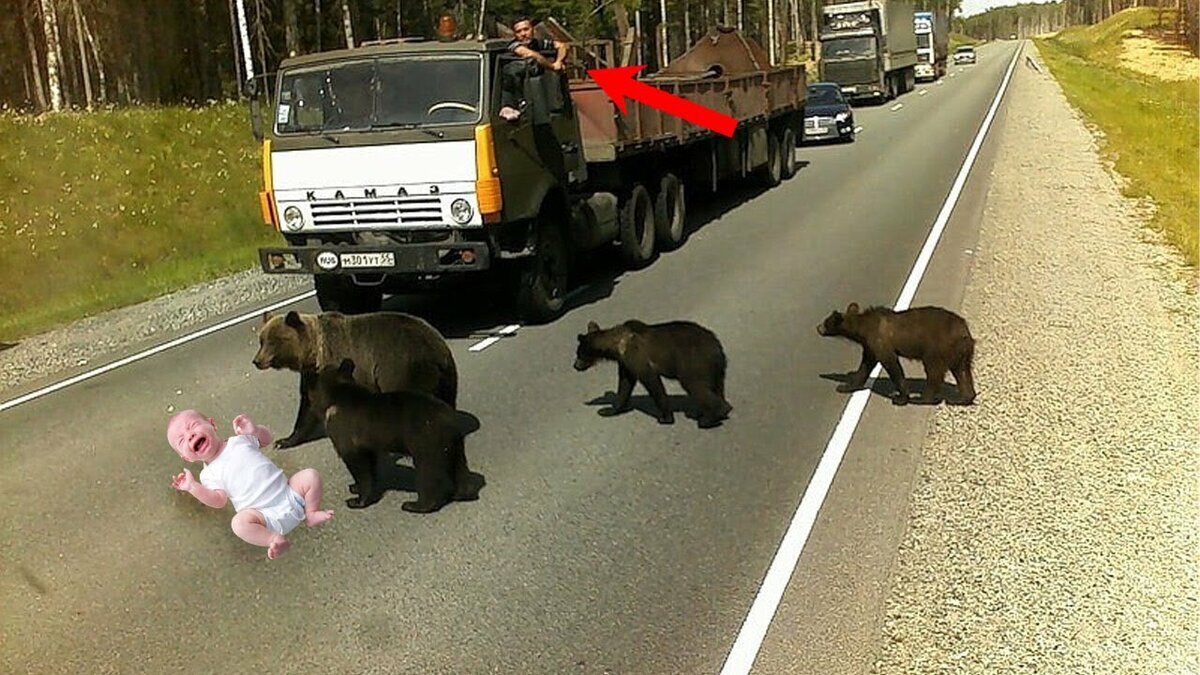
{"x": 393, "y": 351}
{"x": 680, "y": 350}
{"x": 935, "y": 336}
{"x": 365, "y": 427}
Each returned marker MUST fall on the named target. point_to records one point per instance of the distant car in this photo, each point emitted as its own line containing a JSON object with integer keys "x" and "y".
{"x": 1012, "y": 37}
{"x": 827, "y": 115}
{"x": 964, "y": 54}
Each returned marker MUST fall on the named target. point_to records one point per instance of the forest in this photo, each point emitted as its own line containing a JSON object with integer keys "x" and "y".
{"x": 87, "y": 53}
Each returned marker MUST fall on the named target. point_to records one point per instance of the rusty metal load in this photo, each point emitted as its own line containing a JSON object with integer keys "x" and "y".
{"x": 724, "y": 51}
{"x": 723, "y": 71}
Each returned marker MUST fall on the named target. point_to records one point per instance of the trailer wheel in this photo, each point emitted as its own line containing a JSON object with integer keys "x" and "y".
{"x": 669, "y": 214}
{"x": 771, "y": 173}
{"x": 789, "y": 153}
{"x": 637, "y": 228}
{"x": 337, "y": 293}
{"x": 542, "y": 283}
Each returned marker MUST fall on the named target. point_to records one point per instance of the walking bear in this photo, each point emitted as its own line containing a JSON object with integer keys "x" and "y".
{"x": 365, "y": 427}
{"x": 393, "y": 351}
{"x": 935, "y": 336}
{"x": 646, "y": 353}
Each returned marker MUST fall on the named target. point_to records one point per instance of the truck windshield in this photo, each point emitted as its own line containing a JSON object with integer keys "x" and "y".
{"x": 391, "y": 92}
{"x": 848, "y": 49}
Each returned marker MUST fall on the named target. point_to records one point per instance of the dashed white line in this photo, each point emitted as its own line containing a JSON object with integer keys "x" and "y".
{"x": 922, "y": 92}
{"x": 897, "y": 107}
{"x": 758, "y": 620}
{"x": 488, "y": 342}
{"x": 858, "y": 129}
{"x": 12, "y": 403}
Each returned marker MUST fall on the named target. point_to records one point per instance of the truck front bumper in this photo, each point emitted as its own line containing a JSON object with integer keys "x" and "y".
{"x": 426, "y": 258}
{"x": 925, "y": 71}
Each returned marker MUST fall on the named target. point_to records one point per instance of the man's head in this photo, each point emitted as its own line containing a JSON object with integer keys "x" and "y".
{"x": 523, "y": 29}
{"x": 193, "y": 436}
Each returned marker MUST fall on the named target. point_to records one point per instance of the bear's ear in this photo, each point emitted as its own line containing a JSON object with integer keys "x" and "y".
{"x": 346, "y": 367}
{"x": 592, "y": 327}
{"x": 852, "y": 308}
{"x": 266, "y": 317}
{"x": 293, "y": 319}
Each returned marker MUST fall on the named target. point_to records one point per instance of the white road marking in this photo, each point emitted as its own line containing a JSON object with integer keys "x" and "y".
{"x": 184, "y": 339}
{"x": 923, "y": 92}
{"x": 758, "y": 620}
{"x": 488, "y": 342}
{"x": 941, "y": 82}
{"x": 858, "y": 129}
{"x": 897, "y": 107}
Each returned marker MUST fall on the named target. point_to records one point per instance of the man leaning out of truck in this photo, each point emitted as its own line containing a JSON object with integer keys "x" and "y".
{"x": 525, "y": 45}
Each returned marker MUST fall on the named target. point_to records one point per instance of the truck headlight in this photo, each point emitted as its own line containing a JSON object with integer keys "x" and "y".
{"x": 461, "y": 211}
{"x": 293, "y": 218}
{"x": 842, "y": 116}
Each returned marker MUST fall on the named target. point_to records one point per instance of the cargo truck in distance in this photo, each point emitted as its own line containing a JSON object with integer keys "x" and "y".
{"x": 933, "y": 44}
{"x": 389, "y": 168}
{"x": 869, "y": 48}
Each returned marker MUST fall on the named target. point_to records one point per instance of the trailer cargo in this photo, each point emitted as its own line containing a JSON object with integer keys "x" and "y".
{"x": 389, "y": 168}
{"x": 869, "y": 47}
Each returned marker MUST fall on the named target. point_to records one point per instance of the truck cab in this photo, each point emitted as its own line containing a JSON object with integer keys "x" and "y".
{"x": 383, "y": 164}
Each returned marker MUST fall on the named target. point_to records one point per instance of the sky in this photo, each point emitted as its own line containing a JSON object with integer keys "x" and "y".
{"x": 972, "y": 7}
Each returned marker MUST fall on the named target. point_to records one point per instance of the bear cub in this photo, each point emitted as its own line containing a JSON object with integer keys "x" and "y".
{"x": 365, "y": 427}
{"x": 646, "y": 353}
{"x": 935, "y": 336}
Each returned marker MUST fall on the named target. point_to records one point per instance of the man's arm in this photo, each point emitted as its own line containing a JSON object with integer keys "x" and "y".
{"x": 562, "y": 54}
{"x": 527, "y": 53}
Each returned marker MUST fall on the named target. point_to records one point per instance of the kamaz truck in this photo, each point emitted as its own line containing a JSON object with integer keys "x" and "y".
{"x": 933, "y": 42}
{"x": 869, "y": 48}
{"x": 408, "y": 165}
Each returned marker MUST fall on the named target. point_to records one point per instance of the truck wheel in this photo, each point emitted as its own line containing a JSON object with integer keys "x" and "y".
{"x": 771, "y": 173}
{"x": 542, "y": 284}
{"x": 788, "y": 148}
{"x": 637, "y": 228}
{"x": 339, "y": 294}
{"x": 669, "y": 214}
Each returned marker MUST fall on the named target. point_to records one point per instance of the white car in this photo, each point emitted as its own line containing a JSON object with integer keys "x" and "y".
{"x": 964, "y": 54}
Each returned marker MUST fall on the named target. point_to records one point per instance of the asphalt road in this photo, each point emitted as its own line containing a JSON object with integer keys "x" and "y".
{"x": 600, "y": 544}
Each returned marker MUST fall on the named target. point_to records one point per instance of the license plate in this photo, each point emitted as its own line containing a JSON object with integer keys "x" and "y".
{"x": 816, "y": 131}
{"x": 385, "y": 259}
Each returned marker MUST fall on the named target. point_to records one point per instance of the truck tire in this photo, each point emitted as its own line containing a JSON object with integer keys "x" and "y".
{"x": 339, "y": 294}
{"x": 788, "y": 148}
{"x": 670, "y": 214}
{"x": 542, "y": 283}
{"x": 637, "y": 228}
{"x": 771, "y": 174}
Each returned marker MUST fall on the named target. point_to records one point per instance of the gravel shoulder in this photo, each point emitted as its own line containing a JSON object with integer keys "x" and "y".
{"x": 1054, "y": 529}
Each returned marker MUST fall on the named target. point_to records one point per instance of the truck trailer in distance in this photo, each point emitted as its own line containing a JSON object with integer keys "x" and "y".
{"x": 869, "y": 47}
{"x": 933, "y": 41}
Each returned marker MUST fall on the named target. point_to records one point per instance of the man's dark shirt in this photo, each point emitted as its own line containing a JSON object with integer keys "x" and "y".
{"x": 536, "y": 44}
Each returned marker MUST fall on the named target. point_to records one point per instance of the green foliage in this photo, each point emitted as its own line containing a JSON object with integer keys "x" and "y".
{"x": 1150, "y": 126}
{"x": 103, "y": 209}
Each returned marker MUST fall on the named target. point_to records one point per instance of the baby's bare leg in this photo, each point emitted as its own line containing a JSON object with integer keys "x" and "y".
{"x": 252, "y": 528}
{"x": 307, "y": 483}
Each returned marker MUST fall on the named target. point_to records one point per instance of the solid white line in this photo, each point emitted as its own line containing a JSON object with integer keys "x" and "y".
{"x": 754, "y": 628}
{"x": 151, "y": 352}
{"x": 488, "y": 342}
{"x": 897, "y": 107}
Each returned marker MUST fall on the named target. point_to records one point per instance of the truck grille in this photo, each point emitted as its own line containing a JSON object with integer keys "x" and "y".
{"x": 851, "y": 72}
{"x": 392, "y": 211}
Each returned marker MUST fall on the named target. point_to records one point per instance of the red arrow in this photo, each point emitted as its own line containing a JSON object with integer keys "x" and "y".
{"x": 618, "y": 83}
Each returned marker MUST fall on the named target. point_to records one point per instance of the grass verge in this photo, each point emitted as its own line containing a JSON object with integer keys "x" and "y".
{"x": 1150, "y": 126}
{"x": 104, "y": 209}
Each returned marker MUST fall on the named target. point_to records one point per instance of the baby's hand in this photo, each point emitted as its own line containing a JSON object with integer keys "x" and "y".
{"x": 242, "y": 426}
{"x": 184, "y": 481}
